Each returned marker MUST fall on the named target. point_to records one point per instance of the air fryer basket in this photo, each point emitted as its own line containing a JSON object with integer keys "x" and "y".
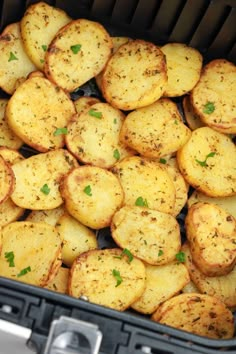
{"x": 209, "y": 26}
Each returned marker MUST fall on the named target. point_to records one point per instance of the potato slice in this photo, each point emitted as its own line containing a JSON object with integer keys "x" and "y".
{"x": 226, "y": 203}
{"x": 9, "y": 212}
{"x": 38, "y": 179}
{"x": 211, "y": 232}
{"x": 50, "y": 217}
{"x": 15, "y": 64}
{"x": 184, "y": 66}
{"x": 193, "y": 120}
{"x": 156, "y": 130}
{"x": 77, "y": 53}
{"x": 31, "y": 252}
{"x": 76, "y": 237}
{"x": 190, "y": 288}
{"x": 162, "y": 282}
{"x": 106, "y": 278}
{"x": 197, "y": 313}
{"x": 7, "y": 137}
{"x": 39, "y": 112}
{"x": 146, "y": 183}
{"x": 135, "y": 76}
{"x": 60, "y": 282}
{"x": 214, "y": 97}
{"x": 222, "y": 287}
{"x": 7, "y": 180}
{"x": 150, "y": 235}
{"x": 207, "y": 161}
{"x": 11, "y": 156}
{"x": 83, "y": 103}
{"x": 39, "y": 25}
{"x": 93, "y": 136}
{"x": 92, "y": 195}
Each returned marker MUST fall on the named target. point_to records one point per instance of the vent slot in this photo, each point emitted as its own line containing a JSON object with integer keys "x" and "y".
{"x": 144, "y": 15}
{"x": 103, "y": 9}
{"x": 124, "y": 10}
{"x": 75, "y": 9}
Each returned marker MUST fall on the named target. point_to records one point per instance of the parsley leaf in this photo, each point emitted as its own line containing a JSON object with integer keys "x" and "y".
{"x": 76, "y": 48}
{"x": 24, "y": 271}
{"x": 88, "y": 190}
{"x": 94, "y": 113}
{"x": 162, "y": 160}
{"x": 12, "y": 57}
{"x": 117, "y": 276}
{"x": 141, "y": 202}
{"x": 45, "y": 189}
{"x": 160, "y": 253}
{"x": 60, "y": 131}
{"x": 204, "y": 163}
{"x": 116, "y": 154}
{"x": 209, "y": 108}
{"x": 10, "y": 258}
{"x": 44, "y": 47}
{"x": 127, "y": 253}
{"x": 181, "y": 257}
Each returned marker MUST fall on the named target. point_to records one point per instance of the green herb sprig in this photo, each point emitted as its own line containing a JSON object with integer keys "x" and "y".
{"x": 204, "y": 162}
{"x": 117, "y": 276}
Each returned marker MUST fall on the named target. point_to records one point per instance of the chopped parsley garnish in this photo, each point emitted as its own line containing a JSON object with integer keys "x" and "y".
{"x": 204, "y": 163}
{"x": 160, "y": 253}
{"x": 162, "y": 160}
{"x": 115, "y": 121}
{"x": 127, "y": 253}
{"x": 88, "y": 190}
{"x": 60, "y": 131}
{"x": 44, "y": 47}
{"x": 76, "y": 48}
{"x": 116, "y": 154}
{"x": 24, "y": 271}
{"x": 209, "y": 108}
{"x": 141, "y": 202}
{"x": 117, "y": 276}
{"x": 181, "y": 257}
{"x": 45, "y": 189}
{"x": 12, "y": 57}
{"x": 41, "y": 61}
{"x": 94, "y": 113}
{"x": 10, "y": 258}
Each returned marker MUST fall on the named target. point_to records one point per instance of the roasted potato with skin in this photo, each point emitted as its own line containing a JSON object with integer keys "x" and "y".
{"x": 192, "y": 119}
{"x": 76, "y": 238}
{"x": 92, "y": 195}
{"x": 15, "y": 65}
{"x": 156, "y": 130}
{"x": 145, "y": 183}
{"x": 39, "y": 25}
{"x": 135, "y": 76}
{"x": 214, "y": 96}
{"x": 211, "y": 232}
{"x": 9, "y": 212}
{"x": 50, "y": 217}
{"x": 7, "y": 179}
{"x": 107, "y": 278}
{"x": 162, "y": 282}
{"x": 60, "y": 282}
{"x": 207, "y": 161}
{"x": 11, "y": 156}
{"x": 31, "y": 252}
{"x": 197, "y": 313}
{"x": 84, "y": 102}
{"x": 222, "y": 287}
{"x": 150, "y": 235}
{"x": 7, "y": 137}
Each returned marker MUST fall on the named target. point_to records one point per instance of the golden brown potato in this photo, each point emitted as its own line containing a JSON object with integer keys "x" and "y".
{"x": 197, "y": 313}
{"x": 39, "y": 112}
{"x": 9, "y": 212}
{"x": 93, "y": 136}
{"x": 78, "y": 52}
{"x": 135, "y": 75}
{"x": 193, "y": 120}
{"x": 92, "y": 195}
{"x": 7, "y": 180}
{"x": 184, "y": 66}
{"x": 211, "y": 232}
{"x": 60, "y": 282}
{"x": 222, "y": 287}
{"x": 83, "y": 103}
{"x": 207, "y": 161}
{"x": 156, "y": 130}
{"x": 162, "y": 282}
{"x": 39, "y": 25}
{"x": 11, "y": 156}
{"x": 31, "y": 252}
{"x": 214, "y": 97}
{"x": 76, "y": 238}
{"x": 144, "y": 232}
{"x": 15, "y": 64}
{"x": 7, "y": 137}
{"x": 38, "y": 179}
{"x": 146, "y": 183}
{"x": 50, "y": 217}
{"x": 106, "y": 278}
